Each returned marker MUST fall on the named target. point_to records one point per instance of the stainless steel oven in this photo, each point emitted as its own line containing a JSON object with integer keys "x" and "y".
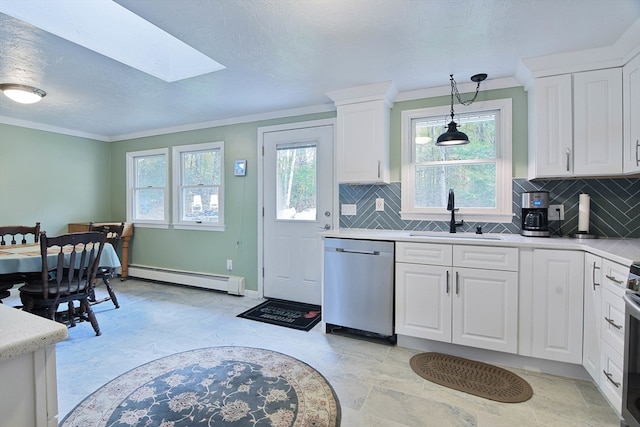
{"x": 631, "y": 378}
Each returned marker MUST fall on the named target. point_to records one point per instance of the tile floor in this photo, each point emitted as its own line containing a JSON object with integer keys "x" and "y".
{"x": 374, "y": 383}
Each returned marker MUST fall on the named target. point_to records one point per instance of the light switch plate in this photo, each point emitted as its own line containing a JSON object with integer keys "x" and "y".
{"x": 347, "y": 209}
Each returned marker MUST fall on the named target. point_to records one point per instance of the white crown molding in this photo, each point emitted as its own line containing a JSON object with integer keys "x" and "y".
{"x": 432, "y": 92}
{"x": 385, "y": 91}
{"x": 54, "y": 129}
{"x": 616, "y": 55}
{"x": 323, "y": 108}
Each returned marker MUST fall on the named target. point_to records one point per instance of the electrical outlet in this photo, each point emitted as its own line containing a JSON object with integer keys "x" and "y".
{"x": 556, "y": 212}
{"x": 347, "y": 209}
{"x": 229, "y": 265}
{"x": 379, "y": 204}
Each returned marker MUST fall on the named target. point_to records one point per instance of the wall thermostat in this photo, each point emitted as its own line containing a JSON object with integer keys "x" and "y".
{"x": 240, "y": 168}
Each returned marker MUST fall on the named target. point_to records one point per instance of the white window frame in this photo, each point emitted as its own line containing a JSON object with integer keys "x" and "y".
{"x": 131, "y": 175}
{"x": 503, "y": 213}
{"x": 178, "y": 222}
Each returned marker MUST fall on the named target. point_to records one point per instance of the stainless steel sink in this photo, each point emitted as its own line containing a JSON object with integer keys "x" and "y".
{"x": 445, "y": 235}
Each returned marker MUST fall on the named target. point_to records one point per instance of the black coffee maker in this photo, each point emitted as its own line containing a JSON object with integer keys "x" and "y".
{"x": 535, "y": 214}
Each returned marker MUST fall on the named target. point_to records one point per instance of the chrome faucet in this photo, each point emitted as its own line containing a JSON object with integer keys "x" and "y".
{"x": 451, "y": 207}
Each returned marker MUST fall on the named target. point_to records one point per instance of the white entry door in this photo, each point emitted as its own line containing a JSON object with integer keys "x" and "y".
{"x": 298, "y": 204}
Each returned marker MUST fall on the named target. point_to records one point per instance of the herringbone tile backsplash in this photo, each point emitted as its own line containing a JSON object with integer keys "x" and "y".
{"x": 615, "y": 207}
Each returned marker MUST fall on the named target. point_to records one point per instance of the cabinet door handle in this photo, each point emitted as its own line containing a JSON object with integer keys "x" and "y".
{"x": 378, "y": 168}
{"x": 457, "y": 283}
{"x": 613, "y": 323}
{"x": 593, "y": 275}
{"x": 447, "y": 282}
{"x": 610, "y": 378}
{"x": 568, "y": 153}
{"x": 637, "y": 152}
{"x": 613, "y": 279}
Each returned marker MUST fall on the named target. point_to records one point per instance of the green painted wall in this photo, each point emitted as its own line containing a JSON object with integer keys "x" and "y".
{"x": 519, "y": 125}
{"x": 36, "y": 165}
{"x": 197, "y": 250}
{"x": 51, "y": 178}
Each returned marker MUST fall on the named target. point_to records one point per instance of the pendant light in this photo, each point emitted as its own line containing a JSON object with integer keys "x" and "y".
{"x": 453, "y": 136}
{"x": 22, "y": 93}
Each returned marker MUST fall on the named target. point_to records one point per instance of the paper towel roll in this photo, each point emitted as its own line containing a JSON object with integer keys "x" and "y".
{"x": 583, "y": 213}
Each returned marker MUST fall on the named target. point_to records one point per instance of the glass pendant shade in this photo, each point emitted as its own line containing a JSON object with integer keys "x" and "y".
{"x": 452, "y": 136}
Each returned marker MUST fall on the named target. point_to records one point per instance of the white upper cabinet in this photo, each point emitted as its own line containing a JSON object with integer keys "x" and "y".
{"x": 597, "y": 122}
{"x": 631, "y": 111}
{"x": 362, "y": 140}
{"x": 551, "y": 127}
{"x": 575, "y": 125}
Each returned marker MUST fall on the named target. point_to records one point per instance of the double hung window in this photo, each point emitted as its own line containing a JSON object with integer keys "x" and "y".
{"x": 147, "y": 187}
{"x": 479, "y": 172}
{"x": 198, "y": 172}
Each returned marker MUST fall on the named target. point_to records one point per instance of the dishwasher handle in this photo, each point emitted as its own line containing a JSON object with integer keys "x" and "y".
{"x": 351, "y": 251}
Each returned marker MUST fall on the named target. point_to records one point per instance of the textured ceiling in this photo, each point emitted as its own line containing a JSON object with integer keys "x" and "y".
{"x": 287, "y": 54}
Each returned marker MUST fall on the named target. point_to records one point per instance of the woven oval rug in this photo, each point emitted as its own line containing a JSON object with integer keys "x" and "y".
{"x": 477, "y": 378}
{"x": 218, "y": 386}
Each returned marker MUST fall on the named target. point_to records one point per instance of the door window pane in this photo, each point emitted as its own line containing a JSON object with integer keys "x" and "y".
{"x": 296, "y": 182}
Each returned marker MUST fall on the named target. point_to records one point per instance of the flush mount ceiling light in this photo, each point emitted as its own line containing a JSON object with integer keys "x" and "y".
{"x": 114, "y": 31}
{"x": 22, "y": 93}
{"x": 453, "y": 136}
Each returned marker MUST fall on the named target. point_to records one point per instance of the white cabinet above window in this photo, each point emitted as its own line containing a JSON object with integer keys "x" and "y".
{"x": 362, "y": 150}
{"x": 575, "y": 125}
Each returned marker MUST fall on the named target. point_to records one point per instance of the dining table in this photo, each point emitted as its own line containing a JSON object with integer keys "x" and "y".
{"x": 27, "y": 258}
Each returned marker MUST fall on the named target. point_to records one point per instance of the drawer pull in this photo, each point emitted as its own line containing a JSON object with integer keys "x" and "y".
{"x": 613, "y": 323}
{"x": 610, "y": 378}
{"x": 613, "y": 279}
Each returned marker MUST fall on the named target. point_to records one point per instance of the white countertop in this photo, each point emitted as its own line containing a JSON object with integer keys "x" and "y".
{"x": 22, "y": 332}
{"x": 623, "y": 251}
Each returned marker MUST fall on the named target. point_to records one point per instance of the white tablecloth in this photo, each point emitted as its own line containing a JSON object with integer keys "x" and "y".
{"x": 27, "y": 258}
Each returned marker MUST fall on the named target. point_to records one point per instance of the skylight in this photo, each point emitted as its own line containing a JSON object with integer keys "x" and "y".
{"x": 113, "y": 31}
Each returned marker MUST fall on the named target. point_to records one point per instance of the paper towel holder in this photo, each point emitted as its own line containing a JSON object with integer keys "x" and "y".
{"x": 583, "y": 228}
{"x": 584, "y": 235}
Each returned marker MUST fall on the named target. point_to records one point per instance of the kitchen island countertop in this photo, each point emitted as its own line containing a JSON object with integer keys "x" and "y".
{"x": 22, "y": 332}
{"x": 623, "y": 251}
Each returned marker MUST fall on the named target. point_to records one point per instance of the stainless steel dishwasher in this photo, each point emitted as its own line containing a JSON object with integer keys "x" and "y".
{"x": 359, "y": 286}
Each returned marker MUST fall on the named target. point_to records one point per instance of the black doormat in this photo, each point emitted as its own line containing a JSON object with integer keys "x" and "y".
{"x": 294, "y": 315}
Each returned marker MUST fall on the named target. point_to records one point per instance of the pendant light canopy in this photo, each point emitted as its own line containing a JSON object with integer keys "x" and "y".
{"x": 22, "y": 93}
{"x": 453, "y": 136}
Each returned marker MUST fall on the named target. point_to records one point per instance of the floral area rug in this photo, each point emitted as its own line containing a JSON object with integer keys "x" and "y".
{"x": 218, "y": 386}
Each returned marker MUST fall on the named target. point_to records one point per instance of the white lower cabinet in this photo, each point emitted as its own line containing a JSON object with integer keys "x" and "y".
{"x": 611, "y": 364}
{"x": 441, "y": 294}
{"x": 612, "y": 331}
{"x": 557, "y": 305}
{"x": 592, "y": 303}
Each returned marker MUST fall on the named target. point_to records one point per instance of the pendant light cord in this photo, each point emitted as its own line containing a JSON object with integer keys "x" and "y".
{"x": 454, "y": 88}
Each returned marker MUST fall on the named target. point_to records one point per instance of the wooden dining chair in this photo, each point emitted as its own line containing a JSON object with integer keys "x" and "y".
{"x": 113, "y": 233}
{"x": 70, "y": 278}
{"x": 8, "y": 236}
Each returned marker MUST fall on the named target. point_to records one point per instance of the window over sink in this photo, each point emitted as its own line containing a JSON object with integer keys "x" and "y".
{"x": 480, "y": 173}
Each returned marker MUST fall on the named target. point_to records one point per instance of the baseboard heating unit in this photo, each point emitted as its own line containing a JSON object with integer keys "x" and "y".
{"x": 233, "y": 285}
